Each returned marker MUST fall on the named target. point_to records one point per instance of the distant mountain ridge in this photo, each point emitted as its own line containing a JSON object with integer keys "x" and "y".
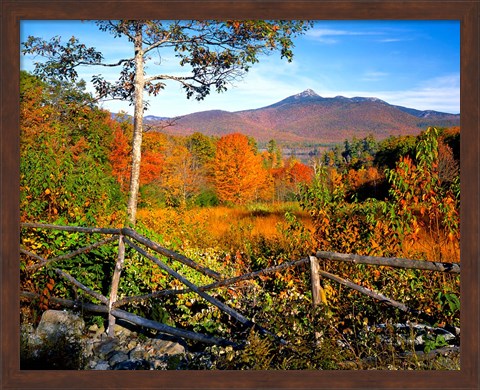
{"x": 308, "y": 117}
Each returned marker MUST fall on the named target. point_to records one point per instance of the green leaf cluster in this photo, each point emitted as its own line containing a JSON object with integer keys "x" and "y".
{"x": 65, "y": 170}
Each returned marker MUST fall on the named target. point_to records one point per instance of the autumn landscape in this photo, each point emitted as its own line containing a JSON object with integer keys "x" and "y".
{"x": 239, "y": 192}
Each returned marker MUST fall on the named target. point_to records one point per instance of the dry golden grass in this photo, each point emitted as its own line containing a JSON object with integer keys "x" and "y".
{"x": 432, "y": 248}
{"x": 209, "y": 226}
{"x": 212, "y": 226}
{"x": 217, "y": 222}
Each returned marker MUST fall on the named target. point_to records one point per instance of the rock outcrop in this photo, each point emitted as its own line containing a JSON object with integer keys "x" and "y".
{"x": 61, "y": 341}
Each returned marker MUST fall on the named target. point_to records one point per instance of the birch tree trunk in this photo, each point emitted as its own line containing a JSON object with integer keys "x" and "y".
{"x": 137, "y": 126}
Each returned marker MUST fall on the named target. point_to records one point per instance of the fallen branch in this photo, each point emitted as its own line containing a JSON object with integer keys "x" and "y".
{"x": 169, "y": 329}
{"x": 79, "y": 229}
{"x": 85, "y": 306}
{"x": 30, "y": 254}
{"x": 380, "y": 297}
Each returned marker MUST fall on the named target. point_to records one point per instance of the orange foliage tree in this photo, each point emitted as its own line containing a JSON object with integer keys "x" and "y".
{"x": 35, "y": 116}
{"x": 150, "y": 167}
{"x": 239, "y": 176}
{"x": 422, "y": 203}
{"x": 300, "y": 173}
{"x": 359, "y": 177}
{"x": 64, "y": 172}
{"x": 182, "y": 175}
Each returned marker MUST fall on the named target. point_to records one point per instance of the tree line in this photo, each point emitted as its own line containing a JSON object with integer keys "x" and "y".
{"x": 208, "y": 170}
{"x": 76, "y": 157}
{"x": 76, "y": 161}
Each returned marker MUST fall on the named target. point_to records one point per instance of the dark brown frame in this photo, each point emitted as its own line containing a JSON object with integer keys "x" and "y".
{"x": 13, "y": 11}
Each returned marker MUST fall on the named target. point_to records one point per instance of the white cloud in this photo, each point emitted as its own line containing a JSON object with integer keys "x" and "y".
{"x": 439, "y": 94}
{"x": 326, "y": 35}
{"x": 374, "y": 76}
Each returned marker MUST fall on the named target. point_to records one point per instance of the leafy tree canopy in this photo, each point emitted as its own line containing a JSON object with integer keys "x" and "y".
{"x": 217, "y": 52}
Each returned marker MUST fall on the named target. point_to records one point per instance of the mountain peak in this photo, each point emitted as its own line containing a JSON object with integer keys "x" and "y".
{"x": 307, "y": 93}
{"x": 309, "y": 118}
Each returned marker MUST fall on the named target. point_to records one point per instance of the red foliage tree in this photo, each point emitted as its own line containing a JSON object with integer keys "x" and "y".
{"x": 150, "y": 166}
{"x": 119, "y": 157}
{"x": 300, "y": 173}
{"x": 288, "y": 177}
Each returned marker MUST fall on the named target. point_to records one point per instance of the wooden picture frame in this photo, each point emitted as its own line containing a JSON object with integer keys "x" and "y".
{"x": 13, "y": 11}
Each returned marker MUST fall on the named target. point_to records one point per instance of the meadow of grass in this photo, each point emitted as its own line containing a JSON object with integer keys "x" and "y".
{"x": 231, "y": 228}
{"x": 224, "y": 227}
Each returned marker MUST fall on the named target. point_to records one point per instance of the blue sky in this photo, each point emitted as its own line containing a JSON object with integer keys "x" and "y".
{"x": 414, "y": 64}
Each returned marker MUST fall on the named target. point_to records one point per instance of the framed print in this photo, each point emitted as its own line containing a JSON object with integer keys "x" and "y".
{"x": 273, "y": 235}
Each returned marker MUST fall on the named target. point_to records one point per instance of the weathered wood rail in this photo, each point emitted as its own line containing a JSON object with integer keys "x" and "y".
{"x": 126, "y": 236}
{"x": 392, "y": 262}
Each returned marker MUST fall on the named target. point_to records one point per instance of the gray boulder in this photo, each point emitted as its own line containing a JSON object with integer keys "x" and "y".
{"x": 56, "y": 324}
{"x": 55, "y": 344}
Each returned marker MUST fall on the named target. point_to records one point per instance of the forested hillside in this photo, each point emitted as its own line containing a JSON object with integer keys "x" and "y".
{"x": 307, "y": 117}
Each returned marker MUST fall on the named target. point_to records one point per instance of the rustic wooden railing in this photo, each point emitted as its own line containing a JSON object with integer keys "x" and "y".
{"x": 126, "y": 236}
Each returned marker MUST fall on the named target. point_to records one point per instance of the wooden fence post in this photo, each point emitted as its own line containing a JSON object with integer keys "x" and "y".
{"x": 318, "y": 294}
{"x": 114, "y": 287}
